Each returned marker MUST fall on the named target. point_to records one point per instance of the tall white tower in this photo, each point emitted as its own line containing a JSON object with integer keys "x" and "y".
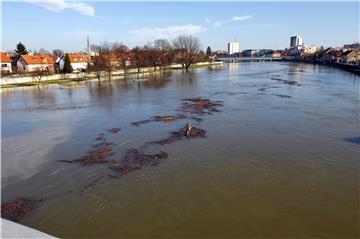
{"x": 233, "y": 47}
{"x": 296, "y": 41}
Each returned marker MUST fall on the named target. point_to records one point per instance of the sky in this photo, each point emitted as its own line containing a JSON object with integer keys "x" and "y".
{"x": 60, "y": 24}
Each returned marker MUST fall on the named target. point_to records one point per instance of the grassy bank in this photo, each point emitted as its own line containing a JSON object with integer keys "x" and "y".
{"x": 104, "y": 77}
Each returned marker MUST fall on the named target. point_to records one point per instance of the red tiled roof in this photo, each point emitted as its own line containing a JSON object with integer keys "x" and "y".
{"x": 4, "y": 57}
{"x": 112, "y": 57}
{"x": 76, "y": 58}
{"x": 38, "y": 59}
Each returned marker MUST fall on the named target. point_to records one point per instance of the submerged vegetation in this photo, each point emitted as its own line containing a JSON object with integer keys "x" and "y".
{"x": 134, "y": 158}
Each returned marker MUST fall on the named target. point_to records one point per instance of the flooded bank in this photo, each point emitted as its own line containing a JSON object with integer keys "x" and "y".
{"x": 277, "y": 154}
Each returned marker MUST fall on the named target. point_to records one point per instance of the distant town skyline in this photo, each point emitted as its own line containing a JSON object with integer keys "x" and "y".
{"x": 65, "y": 25}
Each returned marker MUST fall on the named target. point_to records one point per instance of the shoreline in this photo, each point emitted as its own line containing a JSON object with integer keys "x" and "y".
{"x": 83, "y": 77}
{"x": 345, "y": 67}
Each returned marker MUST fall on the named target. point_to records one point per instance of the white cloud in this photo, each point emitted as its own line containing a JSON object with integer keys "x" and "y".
{"x": 60, "y": 5}
{"x": 220, "y": 23}
{"x": 168, "y": 32}
{"x": 241, "y": 18}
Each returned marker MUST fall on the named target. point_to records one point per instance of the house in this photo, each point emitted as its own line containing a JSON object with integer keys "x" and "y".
{"x": 250, "y": 52}
{"x": 273, "y": 54}
{"x": 79, "y": 62}
{"x": 276, "y": 54}
{"x": 5, "y": 63}
{"x": 56, "y": 59}
{"x": 31, "y": 63}
{"x": 329, "y": 55}
{"x": 350, "y": 57}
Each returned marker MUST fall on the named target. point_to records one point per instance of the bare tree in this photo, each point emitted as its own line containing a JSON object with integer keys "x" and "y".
{"x": 98, "y": 66}
{"x": 40, "y": 73}
{"x": 162, "y": 45}
{"x": 151, "y": 56}
{"x": 95, "y": 48}
{"x": 43, "y": 51}
{"x": 107, "y": 55}
{"x": 166, "y": 52}
{"x": 58, "y": 52}
{"x": 121, "y": 52}
{"x": 188, "y": 47}
{"x": 137, "y": 58}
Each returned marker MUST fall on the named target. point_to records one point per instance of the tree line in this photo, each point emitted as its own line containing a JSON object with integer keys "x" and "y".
{"x": 185, "y": 50}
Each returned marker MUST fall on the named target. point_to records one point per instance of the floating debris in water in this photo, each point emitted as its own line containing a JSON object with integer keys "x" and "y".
{"x": 93, "y": 183}
{"x": 96, "y": 156}
{"x": 354, "y": 140}
{"x": 196, "y": 119}
{"x": 103, "y": 143}
{"x": 16, "y": 210}
{"x": 200, "y": 106}
{"x": 288, "y": 82}
{"x": 283, "y": 96}
{"x": 157, "y": 118}
{"x": 100, "y": 137}
{"x": 182, "y": 133}
{"x": 114, "y": 130}
{"x": 229, "y": 93}
{"x": 135, "y": 160}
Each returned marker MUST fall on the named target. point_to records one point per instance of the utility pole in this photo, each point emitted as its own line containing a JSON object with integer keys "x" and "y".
{"x": 88, "y": 49}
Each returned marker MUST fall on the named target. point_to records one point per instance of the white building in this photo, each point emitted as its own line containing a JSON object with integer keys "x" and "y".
{"x": 79, "y": 62}
{"x": 233, "y": 47}
{"x": 30, "y": 63}
{"x": 296, "y": 41}
{"x": 5, "y": 63}
{"x": 309, "y": 49}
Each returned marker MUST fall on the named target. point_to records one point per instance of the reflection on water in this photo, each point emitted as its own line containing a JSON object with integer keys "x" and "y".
{"x": 274, "y": 167}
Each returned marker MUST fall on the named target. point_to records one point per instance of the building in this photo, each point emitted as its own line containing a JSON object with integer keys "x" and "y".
{"x": 351, "y": 57}
{"x": 39, "y": 62}
{"x": 79, "y": 62}
{"x": 296, "y": 41}
{"x": 276, "y": 54}
{"x": 329, "y": 55}
{"x": 250, "y": 52}
{"x": 309, "y": 49}
{"x": 5, "y": 63}
{"x": 111, "y": 59}
{"x": 233, "y": 47}
{"x": 352, "y": 46}
{"x": 220, "y": 53}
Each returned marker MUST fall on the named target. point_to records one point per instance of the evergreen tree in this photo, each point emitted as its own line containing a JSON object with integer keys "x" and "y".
{"x": 21, "y": 49}
{"x": 67, "y": 65}
{"x": 208, "y": 51}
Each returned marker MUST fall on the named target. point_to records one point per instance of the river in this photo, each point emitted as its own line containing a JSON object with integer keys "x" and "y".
{"x": 279, "y": 159}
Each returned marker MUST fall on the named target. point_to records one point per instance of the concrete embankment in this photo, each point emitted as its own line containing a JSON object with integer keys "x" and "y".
{"x": 11, "y": 229}
{"x": 346, "y": 67}
{"x": 19, "y": 80}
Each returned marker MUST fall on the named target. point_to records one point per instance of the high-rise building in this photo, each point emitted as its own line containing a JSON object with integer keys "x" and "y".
{"x": 296, "y": 41}
{"x": 233, "y": 47}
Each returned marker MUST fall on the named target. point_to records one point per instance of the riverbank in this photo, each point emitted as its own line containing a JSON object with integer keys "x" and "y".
{"x": 346, "y": 67}
{"x": 14, "y": 230}
{"x": 21, "y": 81}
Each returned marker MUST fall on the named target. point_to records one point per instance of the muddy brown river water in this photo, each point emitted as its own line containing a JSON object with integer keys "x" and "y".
{"x": 279, "y": 158}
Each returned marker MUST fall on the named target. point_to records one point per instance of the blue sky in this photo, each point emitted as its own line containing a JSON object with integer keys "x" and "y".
{"x": 65, "y": 25}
